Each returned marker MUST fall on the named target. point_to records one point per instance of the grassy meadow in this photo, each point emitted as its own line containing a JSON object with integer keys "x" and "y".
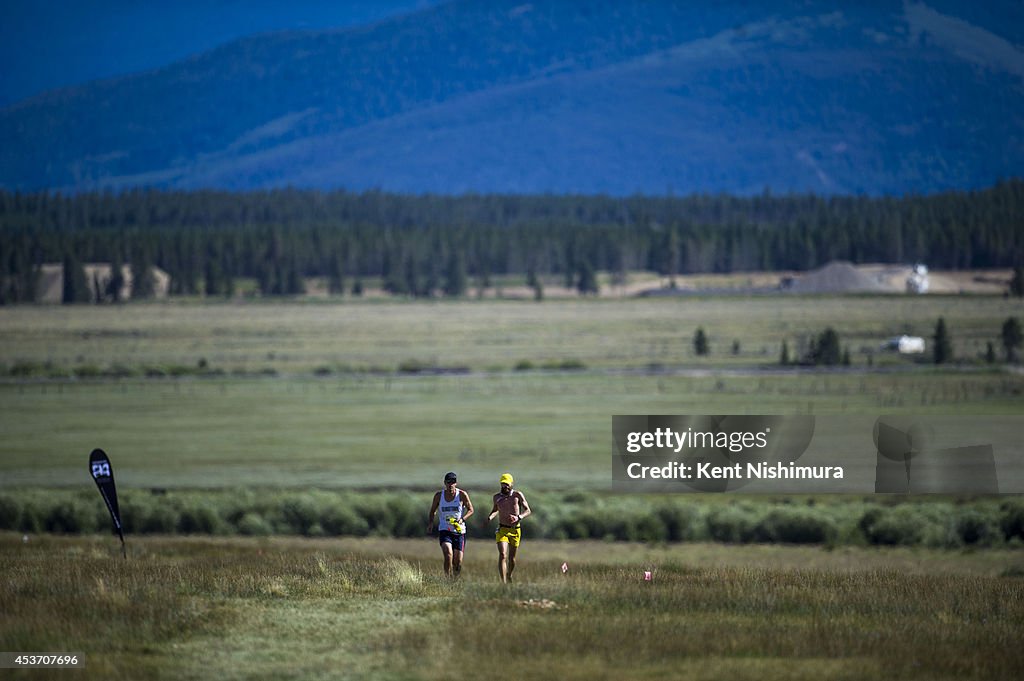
{"x": 379, "y": 609}
{"x": 390, "y": 394}
{"x": 404, "y": 431}
{"x": 301, "y": 337}
{"x": 290, "y": 406}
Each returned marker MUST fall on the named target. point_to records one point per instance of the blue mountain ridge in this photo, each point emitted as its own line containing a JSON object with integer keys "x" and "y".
{"x": 563, "y": 97}
{"x": 60, "y": 43}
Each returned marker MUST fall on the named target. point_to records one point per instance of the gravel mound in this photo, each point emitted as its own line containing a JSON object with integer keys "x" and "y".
{"x": 838, "y": 277}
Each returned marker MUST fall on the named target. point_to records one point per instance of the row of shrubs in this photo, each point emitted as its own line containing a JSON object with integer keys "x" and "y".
{"x": 50, "y": 370}
{"x": 947, "y": 524}
{"x": 551, "y": 365}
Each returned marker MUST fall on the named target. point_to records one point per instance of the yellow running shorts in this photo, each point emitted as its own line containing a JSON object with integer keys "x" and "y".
{"x": 510, "y": 535}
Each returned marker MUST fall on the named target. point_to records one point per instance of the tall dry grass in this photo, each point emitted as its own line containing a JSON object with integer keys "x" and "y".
{"x": 307, "y": 609}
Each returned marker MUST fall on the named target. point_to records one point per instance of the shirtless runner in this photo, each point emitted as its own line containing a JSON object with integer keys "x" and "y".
{"x": 510, "y": 506}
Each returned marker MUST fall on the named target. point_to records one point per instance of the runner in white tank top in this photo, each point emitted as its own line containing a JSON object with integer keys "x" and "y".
{"x": 455, "y": 508}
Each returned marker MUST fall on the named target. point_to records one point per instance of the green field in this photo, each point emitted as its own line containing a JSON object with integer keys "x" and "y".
{"x": 378, "y": 609}
{"x": 380, "y": 335}
{"x": 268, "y": 417}
{"x": 362, "y": 421}
{"x": 355, "y": 431}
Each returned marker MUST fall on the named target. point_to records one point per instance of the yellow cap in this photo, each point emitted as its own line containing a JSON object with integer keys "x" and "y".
{"x": 506, "y": 478}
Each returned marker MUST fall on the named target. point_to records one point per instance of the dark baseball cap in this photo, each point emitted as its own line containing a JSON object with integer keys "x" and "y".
{"x": 450, "y": 477}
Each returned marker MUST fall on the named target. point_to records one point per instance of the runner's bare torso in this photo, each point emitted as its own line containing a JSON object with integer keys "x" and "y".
{"x": 508, "y": 507}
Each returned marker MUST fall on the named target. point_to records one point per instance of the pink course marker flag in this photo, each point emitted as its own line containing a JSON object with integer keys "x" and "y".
{"x": 565, "y": 568}
{"x": 647, "y": 576}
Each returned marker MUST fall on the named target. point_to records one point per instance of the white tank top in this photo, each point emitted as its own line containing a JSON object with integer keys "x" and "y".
{"x": 451, "y": 514}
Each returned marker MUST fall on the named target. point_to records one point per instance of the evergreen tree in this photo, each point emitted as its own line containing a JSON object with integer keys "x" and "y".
{"x": 266, "y": 279}
{"x": 430, "y": 281}
{"x": 1017, "y": 282}
{"x": 990, "y": 353}
{"x": 455, "y": 276}
{"x": 700, "y": 342}
{"x": 483, "y": 282}
{"x": 336, "y": 278}
{"x": 620, "y": 274}
{"x": 784, "y": 354}
{"x": 394, "y": 279}
{"x": 143, "y": 281}
{"x": 96, "y": 292}
{"x": 942, "y": 350}
{"x": 534, "y": 282}
{"x": 229, "y": 267}
{"x": 1011, "y": 338}
{"x": 213, "y": 278}
{"x": 571, "y": 267}
{"x": 413, "y": 281}
{"x": 825, "y": 349}
{"x": 76, "y": 286}
{"x": 587, "y": 282}
{"x": 672, "y": 257}
{"x": 22, "y": 278}
{"x": 5, "y": 276}
{"x": 295, "y": 284}
{"x": 115, "y": 284}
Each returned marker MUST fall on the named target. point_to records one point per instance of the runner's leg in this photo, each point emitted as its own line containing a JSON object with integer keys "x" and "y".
{"x": 512, "y": 548}
{"x": 446, "y": 549}
{"x": 457, "y": 562}
{"x": 502, "y": 552}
